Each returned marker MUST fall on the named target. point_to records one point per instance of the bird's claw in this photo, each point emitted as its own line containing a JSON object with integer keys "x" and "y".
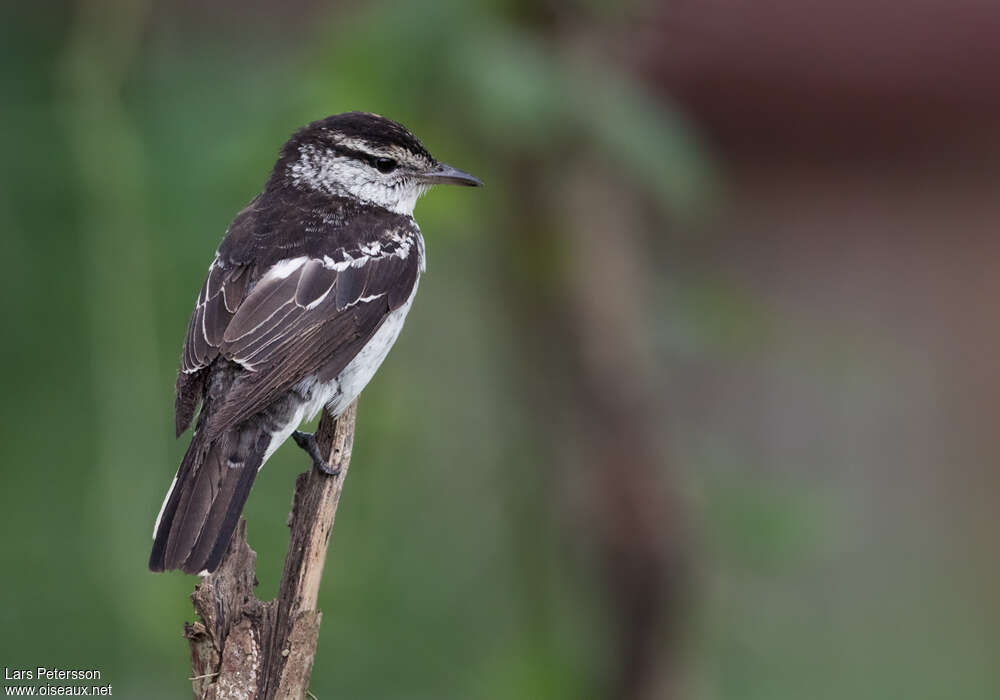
{"x": 307, "y": 441}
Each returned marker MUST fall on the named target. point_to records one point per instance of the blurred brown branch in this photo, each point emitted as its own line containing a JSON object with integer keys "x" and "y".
{"x": 247, "y": 648}
{"x": 588, "y": 317}
{"x": 640, "y": 531}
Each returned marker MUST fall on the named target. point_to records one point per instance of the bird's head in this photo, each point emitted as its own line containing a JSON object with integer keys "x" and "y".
{"x": 366, "y": 157}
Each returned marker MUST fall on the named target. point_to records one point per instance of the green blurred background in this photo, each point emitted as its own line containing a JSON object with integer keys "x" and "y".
{"x": 698, "y": 399}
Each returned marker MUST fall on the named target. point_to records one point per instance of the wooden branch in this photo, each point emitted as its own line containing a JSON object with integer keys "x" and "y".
{"x": 313, "y": 510}
{"x": 246, "y": 648}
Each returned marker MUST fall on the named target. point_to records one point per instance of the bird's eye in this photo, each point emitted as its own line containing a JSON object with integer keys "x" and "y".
{"x": 385, "y": 165}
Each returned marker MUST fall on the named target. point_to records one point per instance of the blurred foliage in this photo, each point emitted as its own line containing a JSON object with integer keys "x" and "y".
{"x": 136, "y": 144}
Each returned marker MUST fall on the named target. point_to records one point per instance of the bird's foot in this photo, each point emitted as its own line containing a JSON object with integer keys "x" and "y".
{"x": 307, "y": 441}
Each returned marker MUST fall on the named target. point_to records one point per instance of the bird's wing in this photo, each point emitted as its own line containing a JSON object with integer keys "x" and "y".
{"x": 306, "y": 315}
{"x": 222, "y": 294}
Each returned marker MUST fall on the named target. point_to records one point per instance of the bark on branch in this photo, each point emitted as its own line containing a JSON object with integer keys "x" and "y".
{"x": 247, "y": 648}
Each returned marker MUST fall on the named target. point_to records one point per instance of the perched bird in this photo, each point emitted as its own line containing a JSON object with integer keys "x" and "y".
{"x": 307, "y": 293}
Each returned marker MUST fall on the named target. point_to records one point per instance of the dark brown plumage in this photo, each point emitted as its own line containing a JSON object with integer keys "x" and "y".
{"x": 305, "y": 279}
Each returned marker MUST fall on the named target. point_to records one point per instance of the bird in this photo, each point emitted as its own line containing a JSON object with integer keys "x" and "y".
{"x": 306, "y": 294}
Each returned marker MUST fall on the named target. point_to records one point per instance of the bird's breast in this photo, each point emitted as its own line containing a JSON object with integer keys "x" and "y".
{"x": 310, "y": 395}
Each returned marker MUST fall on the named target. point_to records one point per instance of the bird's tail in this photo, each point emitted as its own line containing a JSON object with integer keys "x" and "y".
{"x": 204, "y": 502}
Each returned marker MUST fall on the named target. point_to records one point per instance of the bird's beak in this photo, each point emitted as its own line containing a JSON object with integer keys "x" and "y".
{"x": 444, "y": 174}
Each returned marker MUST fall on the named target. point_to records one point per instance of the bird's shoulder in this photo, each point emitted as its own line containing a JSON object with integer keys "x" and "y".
{"x": 288, "y": 223}
{"x": 297, "y": 283}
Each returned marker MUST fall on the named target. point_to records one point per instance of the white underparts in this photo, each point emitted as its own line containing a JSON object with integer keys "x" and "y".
{"x": 338, "y": 393}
